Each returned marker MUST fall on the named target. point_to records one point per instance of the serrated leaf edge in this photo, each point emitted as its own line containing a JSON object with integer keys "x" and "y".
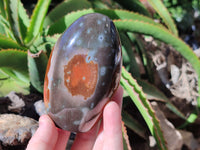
{"x": 137, "y": 91}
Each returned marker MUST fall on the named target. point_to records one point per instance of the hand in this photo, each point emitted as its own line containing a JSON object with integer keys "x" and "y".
{"x": 105, "y": 135}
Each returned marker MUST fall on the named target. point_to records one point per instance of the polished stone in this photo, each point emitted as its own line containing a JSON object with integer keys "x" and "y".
{"x": 83, "y": 72}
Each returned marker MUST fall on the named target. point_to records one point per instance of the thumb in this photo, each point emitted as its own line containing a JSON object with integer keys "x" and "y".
{"x": 46, "y": 135}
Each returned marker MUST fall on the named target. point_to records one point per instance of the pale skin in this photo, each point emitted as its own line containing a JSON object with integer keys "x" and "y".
{"x": 105, "y": 135}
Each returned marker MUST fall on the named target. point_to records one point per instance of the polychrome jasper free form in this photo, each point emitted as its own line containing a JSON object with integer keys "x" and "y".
{"x": 83, "y": 72}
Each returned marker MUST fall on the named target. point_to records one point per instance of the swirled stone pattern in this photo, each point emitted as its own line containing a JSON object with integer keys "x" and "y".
{"x": 83, "y": 72}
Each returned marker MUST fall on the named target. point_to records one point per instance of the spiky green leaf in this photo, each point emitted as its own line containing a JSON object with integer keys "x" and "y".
{"x": 7, "y": 43}
{"x": 8, "y": 84}
{"x": 134, "y": 5}
{"x": 16, "y": 75}
{"x": 45, "y": 44}
{"x": 2, "y": 26}
{"x": 5, "y": 28}
{"x": 139, "y": 98}
{"x": 23, "y": 19}
{"x": 12, "y": 8}
{"x": 37, "y": 20}
{"x": 37, "y": 67}
{"x": 154, "y": 93}
{"x": 64, "y": 8}
{"x": 2, "y": 9}
{"x": 165, "y": 36}
{"x": 142, "y": 51}
{"x": 67, "y": 20}
{"x": 97, "y": 4}
{"x": 164, "y": 14}
{"x": 133, "y": 124}
{"x": 129, "y": 60}
{"x": 126, "y": 143}
{"x": 15, "y": 60}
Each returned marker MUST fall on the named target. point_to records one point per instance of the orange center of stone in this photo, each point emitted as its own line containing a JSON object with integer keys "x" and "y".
{"x": 81, "y": 76}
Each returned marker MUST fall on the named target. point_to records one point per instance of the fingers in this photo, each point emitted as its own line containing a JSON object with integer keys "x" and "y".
{"x": 112, "y": 131}
{"x": 62, "y": 139}
{"x": 47, "y": 135}
{"x": 42, "y": 139}
{"x": 111, "y": 121}
{"x": 85, "y": 141}
{"x": 117, "y": 97}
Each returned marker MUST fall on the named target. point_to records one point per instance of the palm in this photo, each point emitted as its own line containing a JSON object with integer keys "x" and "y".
{"x": 106, "y": 134}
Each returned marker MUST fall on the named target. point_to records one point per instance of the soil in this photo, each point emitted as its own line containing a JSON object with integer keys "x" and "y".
{"x": 185, "y": 104}
{"x": 160, "y": 53}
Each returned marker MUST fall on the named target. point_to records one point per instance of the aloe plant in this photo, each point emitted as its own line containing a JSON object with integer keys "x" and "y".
{"x": 26, "y": 42}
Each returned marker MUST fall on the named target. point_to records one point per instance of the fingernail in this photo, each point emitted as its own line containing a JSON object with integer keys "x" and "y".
{"x": 44, "y": 119}
{"x": 41, "y": 120}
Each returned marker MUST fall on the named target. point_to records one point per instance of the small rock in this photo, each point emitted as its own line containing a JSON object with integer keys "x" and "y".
{"x": 40, "y": 107}
{"x": 16, "y": 130}
{"x": 17, "y": 103}
{"x": 172, "y": 136}
{"x": 189, "y": 140}
{"x": 175, "y": 73}
{"x": 152, "y": 141}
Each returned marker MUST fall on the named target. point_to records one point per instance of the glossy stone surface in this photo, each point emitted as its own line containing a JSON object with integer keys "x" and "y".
{"x": 83, "y": 72}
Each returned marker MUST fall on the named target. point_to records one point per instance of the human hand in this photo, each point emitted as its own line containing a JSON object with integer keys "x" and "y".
{"x": 105, "y": 135}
